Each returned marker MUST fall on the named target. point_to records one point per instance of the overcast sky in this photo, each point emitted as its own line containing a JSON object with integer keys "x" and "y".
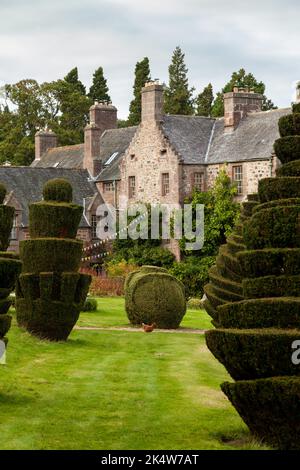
{"x": 45, "y": 39}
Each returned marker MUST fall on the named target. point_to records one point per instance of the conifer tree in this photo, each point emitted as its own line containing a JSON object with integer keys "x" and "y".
{"x": 178, "y": 96}
{"x": 142, "y": 75}
{"x": 99, "y": 89}
{"x": 72, "y": 79}
{"x": 204, "y": 101}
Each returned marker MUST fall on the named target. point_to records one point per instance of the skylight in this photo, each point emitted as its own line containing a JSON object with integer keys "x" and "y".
{"x": 111, "y": 158}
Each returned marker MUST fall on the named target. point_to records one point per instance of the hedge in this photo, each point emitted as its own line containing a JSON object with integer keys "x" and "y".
{"x": 270, "y": 408}
{"x": 58, "y": 220}
{"x": 6, "y": 224}
{"x": 154, "y": 297}
{"x": 289, "y": 169}
{"x": 278, "y": 312}
{"x": 273, "y": 227}
{"x": 5, "y": 323}
{"x": 248, "y": 207}
{"x": 295, "y": 201}
{"x": 289, "y": 125}
{"x": 59, "y": 190}
{"x": 90, "y": 305}
{"x": 254, "y": 354}
{"x": 223, "y": 282}
{"x": 271, "y": 286}
{"x": 284, "y": 187}
{"x": 270, "y": 261}
{"x": 287, "y": 149}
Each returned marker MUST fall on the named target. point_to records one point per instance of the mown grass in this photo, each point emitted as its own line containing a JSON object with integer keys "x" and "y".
{"x": 116, "y": 390}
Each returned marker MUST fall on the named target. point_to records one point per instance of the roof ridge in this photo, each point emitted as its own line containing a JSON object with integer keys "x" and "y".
{"x": 65, "y": 147}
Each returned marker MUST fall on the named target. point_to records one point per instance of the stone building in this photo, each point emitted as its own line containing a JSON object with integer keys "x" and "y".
{"x": 167, "y": 156}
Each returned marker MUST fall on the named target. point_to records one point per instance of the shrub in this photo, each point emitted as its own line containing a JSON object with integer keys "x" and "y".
{"x": 10, "y": 267}
{"x": 195, "y": 304}
{"x": 154, "y": 296}
{"x": 90, "y": 305}
{"x": 102, "y": 287}
{"x": 193, "y": 273}
{"x": 120, "y": 268}
{"x": 254, "y": 336}
{"x": 51, "y": 293}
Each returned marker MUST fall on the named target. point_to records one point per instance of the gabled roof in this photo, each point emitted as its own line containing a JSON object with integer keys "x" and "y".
{"x": 26, "y": 185}
{"x": 69, "y": 156}
{"x": 189, "y": 135}
{"x": 252, "y": 140}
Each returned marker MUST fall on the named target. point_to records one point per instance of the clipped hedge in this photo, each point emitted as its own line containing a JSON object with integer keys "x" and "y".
{"x": 154, "y": 296}
{"x": 271, "y": 286}
{"x": 287, "y": 149}
{"x": 279, "y": 188}
{"x": 51, "y": 293}
{"x": 295, "y": 201}
{"x": 254, "y": 353}
{"x": 90, "y": 305}
{"x": 289, "y": 169}
{"x": 270, "y": 261}
{"x": 289, "y": 125}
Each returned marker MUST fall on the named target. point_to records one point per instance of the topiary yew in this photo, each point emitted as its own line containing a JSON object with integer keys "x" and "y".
{"x": 10, "y": 267}
{"x": 154, "y": 296}
{"x": 50, "y": 292}
{"x": 255, "y": 334}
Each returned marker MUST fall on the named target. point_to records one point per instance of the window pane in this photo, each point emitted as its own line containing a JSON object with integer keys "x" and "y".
{"x": 199, "y": 181}
{"x": 165, "y": 184}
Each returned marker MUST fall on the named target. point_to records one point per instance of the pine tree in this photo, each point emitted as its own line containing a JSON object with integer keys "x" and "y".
{"x": 178, "y": 96}
{"x": 142, "y": 75}
{"x": 204, "y": 101}
{"x": 241, "y": 79}
{"x": 99, "y": 89}
{"x": 72, "y": 79}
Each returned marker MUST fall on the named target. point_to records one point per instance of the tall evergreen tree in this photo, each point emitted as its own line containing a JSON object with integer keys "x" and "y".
{"x": 204, "y": 101}
{"x": 99, "y": 89}
{"x": 241, "y": 79}
{"x": 142, "y": 75}
{"x": 178, "y": 96}
{"x": 72, "y": 79}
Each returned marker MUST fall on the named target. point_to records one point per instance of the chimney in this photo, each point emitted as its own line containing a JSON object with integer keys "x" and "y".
{"x": 152, "y": 102}
{"x": 44, "y": 140}
{"x": 103, "y": 116}
{"x": 238, "y": 104}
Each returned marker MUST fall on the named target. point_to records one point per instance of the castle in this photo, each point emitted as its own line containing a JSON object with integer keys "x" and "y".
{"x": 160, "y": 161}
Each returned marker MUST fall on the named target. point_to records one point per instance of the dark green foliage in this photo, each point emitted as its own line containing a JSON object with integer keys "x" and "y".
{"x": 2, "y": 193}
{"x": 72, "y": 79}
{"x": 256, "y": 335}
{"x": 284, "y": 187}
{"x": 262, "y": 404}
{"x": 154, "y": 296}
{"x": 296, "y": 107}
{"x": 59, "y": 190}
{"x": 5, "y": 322}
{"x": 270, "y": 261}
{"x": 287, "y": 149}
{"x": 223, "y": 282}
{"x": 289, "y": 169}
{"x": 253, "y": 354}
{"x": 90, "y": 305}
{"x": 59, "y": 220}
{"x": 193, "y": 273}
{"x": 99, "y": 89}
{"x": 6, "y": 223}
{"x": 50, "y": 292}
{"x": 204, "y": 101}
{"x": 142, "y": 75}
{"x": 178, "y": 96}
{"x": 273, "y": 227}
{"x": 277, "y": 312}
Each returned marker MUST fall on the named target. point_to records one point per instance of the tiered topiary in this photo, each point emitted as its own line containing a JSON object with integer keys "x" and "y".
{"x": 255, "y": 335}
{"x": 154, "y": 296}
{"x": 50, "y": 292}
{"x": 10, "y": 267}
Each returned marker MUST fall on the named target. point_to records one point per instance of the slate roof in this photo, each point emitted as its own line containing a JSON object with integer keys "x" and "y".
{"x": 70, "y": 156}
{"x": 252, "y": 140}
{"x": 27, "y": 185}
{"x": 189, "y": 135}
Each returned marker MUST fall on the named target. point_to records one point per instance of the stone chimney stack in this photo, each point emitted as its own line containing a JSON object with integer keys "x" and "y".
{"x": 152, "y": 102}
{"x": 103, "y": 116}
{"x": 238, "y": 104}
{"x": 44, "y": 140}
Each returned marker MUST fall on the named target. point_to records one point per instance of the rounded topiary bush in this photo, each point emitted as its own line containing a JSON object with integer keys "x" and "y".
{"x": 90, "y": 305}
{"x": 51, "y": 293}
{"x": 154, "y": 296}
{"x": 59, "y": 190}
{"x": 255, "y": 334}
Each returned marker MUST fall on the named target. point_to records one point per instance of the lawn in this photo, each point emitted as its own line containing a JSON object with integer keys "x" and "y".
{"x": 105, "y": 389}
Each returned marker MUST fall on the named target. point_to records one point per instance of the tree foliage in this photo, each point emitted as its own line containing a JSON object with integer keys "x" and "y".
{"x": 99, "y": 89}
{"x": 142, "y": 75}
{"x": 178, "y": 97}
{"x": 204, "y": 101}
{"x": 241, "y": 79}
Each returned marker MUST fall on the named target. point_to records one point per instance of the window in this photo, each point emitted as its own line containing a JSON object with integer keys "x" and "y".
{"x": 111, "y": 158}
{"x": 237, "y": 177}
{"x": 165, "y": 184}
{"x": 131, "y": 186}
{"x": 108, "y": 186}
{"x": 199, "y": 181}
{"x": 14, "y": 232}
{"x": 94, "y": 226}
